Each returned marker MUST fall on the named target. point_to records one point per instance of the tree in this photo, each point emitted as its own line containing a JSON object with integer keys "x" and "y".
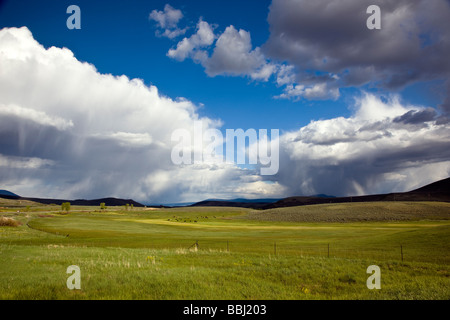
{"x": 65, "y": 206}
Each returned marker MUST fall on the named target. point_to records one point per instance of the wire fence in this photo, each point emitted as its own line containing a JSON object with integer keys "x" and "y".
{"x": 394, "y": 252}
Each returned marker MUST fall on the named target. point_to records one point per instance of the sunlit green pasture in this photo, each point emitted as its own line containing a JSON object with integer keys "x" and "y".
{"x": 227, "y": 253}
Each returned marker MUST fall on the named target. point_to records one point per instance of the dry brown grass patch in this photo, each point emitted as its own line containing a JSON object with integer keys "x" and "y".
{"x": 9, "y": 222}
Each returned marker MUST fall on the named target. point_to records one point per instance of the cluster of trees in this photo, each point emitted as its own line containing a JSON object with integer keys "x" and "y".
{"x": 65, "y": 206}
{"x": 127, "y": 206}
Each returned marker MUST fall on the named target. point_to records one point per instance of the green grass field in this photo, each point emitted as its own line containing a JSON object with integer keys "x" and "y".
{"x": 310, "y": 252}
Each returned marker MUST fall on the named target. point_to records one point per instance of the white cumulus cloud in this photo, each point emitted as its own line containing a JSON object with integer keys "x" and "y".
{"x": 233, "y": 55}
{"x": 190, "y": 47}
{"x": 73, "y": 132}
{"x": 167, "y": 20}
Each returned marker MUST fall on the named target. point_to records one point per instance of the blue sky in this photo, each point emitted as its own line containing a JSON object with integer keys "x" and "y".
{"x": 119, "y": 38}
{"x": 337, "y": 73}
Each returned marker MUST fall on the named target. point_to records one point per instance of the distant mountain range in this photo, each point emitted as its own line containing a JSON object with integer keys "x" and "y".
{"x": 239, "y": 200}
{"x": 246, "y": 203}
{"x": 79, "y": 202}
{"x": 437, "y": 191}
{"x": 7, "y": 193}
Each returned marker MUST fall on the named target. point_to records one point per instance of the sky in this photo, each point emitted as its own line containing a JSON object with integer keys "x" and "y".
{"x": 92, "y": 112}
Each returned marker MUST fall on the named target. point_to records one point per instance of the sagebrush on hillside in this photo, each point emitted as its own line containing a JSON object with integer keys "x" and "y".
{"x": 9, "y": 222}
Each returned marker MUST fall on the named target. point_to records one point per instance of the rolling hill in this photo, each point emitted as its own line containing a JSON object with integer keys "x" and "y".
{"x": 240, "y": 202}
{"x": 436, "y": 191}
{"x": 79, "y": 202}
{"x": 7, "y": 193}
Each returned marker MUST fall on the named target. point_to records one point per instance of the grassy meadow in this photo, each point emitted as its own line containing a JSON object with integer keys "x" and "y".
{"x": 309, "y": 252}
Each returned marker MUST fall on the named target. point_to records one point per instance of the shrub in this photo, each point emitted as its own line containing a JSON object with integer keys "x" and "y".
{"x": 65, "y": 206}
{"x": 9, "y": 222}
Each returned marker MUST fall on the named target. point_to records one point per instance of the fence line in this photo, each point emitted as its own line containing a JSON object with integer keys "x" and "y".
{"x": 329, "y": 250}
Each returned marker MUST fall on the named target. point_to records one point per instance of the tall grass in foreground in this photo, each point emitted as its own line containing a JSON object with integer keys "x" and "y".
{"x": 39, "y": 272}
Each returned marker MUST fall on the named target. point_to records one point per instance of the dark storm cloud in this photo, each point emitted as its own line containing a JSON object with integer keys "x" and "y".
{"x": 445, "y": 106}
{"x": 364, "y": 173}
{"x": 63, "y": 158}
{"x": 383, "y": 146}
{"x": 417, "y": 117}
{"x": 412, "y": 45}
{"x": 26, "y": 138}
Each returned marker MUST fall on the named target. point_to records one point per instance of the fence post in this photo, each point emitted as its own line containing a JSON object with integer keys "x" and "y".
{"x": 195, "y": 245}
